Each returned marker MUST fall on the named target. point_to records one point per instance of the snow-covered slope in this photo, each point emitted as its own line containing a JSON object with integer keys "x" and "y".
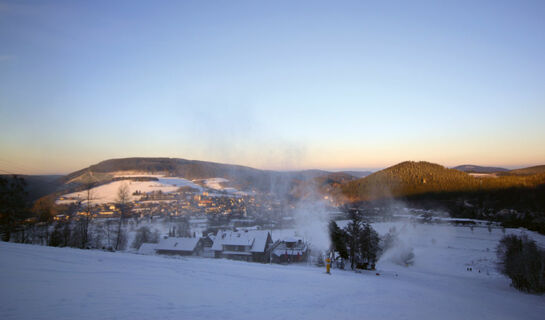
{"x": 62, "y": 283}
{"x": 216, "y": 184}
{"x": 107, "y": 193}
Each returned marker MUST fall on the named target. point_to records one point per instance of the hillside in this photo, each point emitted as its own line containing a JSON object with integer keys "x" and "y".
{"x": 63, "y": 283}
{"x": 528, "y": 171}
{"x": 319, "y": 186}
{"x": 470, "y": 168}
{"x": 414, "y": 178}
{"x": 357, "y": 174}
{"x": 189, "y": 169}
{"x": 239, "y": 177}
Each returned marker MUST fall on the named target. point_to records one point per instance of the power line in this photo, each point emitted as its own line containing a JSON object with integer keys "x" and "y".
{"x": 11, "y": 173}
{"x": 55, "y": 185}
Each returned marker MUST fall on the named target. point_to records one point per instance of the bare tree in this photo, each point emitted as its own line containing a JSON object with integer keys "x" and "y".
{"x": 145, "y": 235}
{"x": 109, "y": 229}
{"x": 123, "y": 201}
{"x": 85, "y": 216}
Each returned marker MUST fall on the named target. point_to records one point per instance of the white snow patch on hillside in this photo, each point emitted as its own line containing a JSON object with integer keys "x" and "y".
{"x": 215, "y": 183}
{"x": 179, "y": 182}
{"x": 107, "y": 193}
{"x": 63, "y": 283}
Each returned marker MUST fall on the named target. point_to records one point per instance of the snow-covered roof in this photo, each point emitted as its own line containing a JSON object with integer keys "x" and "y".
{"x": 147, "y": 248}
{"x": 178, "y": 244}
{"x": 257, "y": 239}
{"x": 260, "y": 240}
{"x": 238, "y": 240}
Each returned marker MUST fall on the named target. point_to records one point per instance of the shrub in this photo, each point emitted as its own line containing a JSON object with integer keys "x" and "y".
{"x": 144, "y": 234}
{"x": 523, "y": 262}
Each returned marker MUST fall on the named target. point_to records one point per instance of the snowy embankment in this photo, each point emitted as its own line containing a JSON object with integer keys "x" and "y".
{"x": 63, "y": 283}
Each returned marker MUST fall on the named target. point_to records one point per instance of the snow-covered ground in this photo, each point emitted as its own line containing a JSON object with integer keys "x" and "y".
{"x": 107, "y": 193}
{"x": 63, "y": 283}
{"x": 216, "y": 184}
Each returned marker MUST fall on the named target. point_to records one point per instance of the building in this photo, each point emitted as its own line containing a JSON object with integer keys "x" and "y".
{"x": 247, "y": 245}
{"x": 290, "y": 250}
{"x": 179, "y": 246}
{"x": 207, "y": 243}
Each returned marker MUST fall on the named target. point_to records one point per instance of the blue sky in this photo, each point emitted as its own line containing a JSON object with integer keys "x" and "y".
{"x": 278, "y": 85}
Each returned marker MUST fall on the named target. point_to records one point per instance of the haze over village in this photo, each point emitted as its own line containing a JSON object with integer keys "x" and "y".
{"x": 282, "y": 160}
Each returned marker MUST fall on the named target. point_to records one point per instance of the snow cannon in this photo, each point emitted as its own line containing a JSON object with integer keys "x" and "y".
{"x": 327, "y": 265}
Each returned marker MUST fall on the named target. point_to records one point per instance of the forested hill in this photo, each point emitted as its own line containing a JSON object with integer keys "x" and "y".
{"x": 414, "y": 178}
{"x": 190, "y": 169}
{"x": 240, "y": 177}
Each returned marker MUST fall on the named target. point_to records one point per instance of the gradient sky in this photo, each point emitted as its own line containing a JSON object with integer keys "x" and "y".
{"x": 277, "y": 85}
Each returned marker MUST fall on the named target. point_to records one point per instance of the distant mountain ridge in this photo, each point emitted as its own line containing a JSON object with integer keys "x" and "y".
{"x": 401, "y": 180}
{"x": 38, "y": 186}
{"x": 240, "y": 177}
{"x": 470, "y": 168}
{"x": 528, "y": 171}
{"x": 358, "y": 174}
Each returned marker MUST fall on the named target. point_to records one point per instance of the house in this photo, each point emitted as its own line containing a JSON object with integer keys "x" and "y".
{"x": 247, "y": 245}
{"x": 179, "y": 246}
{"x": 292, "y": 249}
{"x": 207, "y": 243}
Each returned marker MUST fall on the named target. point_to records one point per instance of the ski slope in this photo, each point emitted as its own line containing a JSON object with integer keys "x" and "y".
{"x": 63, "y": 283}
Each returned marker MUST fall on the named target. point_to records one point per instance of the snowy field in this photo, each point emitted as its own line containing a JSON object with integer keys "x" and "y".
{"x": 218, "y": 185}
{"x": 107, "y": 193}
{"x": 63, "y": 283}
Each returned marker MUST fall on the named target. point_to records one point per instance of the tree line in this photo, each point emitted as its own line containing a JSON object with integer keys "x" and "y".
{"x": 74, "y": 227}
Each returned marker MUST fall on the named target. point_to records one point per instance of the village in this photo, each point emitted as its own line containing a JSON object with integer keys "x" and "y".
{"x": 202, "y": 222}
{"x": 186, "y": 201}
{"x": 210, "y": 221}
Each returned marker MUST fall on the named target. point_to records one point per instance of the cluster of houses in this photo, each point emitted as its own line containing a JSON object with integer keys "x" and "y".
{"x": 246, "y": 245}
